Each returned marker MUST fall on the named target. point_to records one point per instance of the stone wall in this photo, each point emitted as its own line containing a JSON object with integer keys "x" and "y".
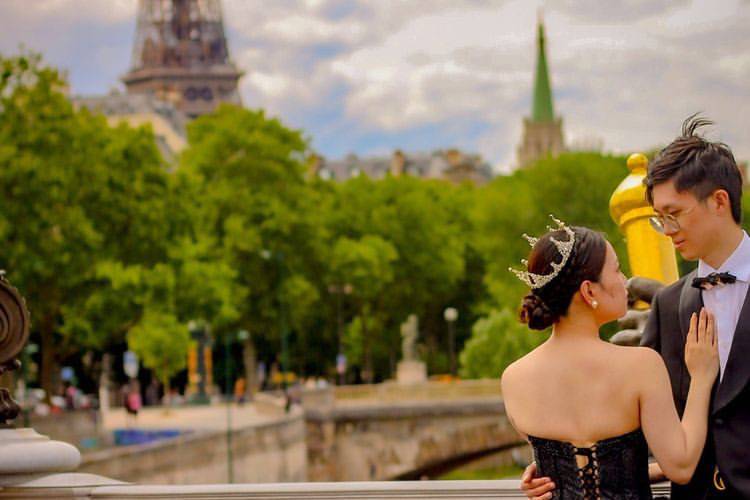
{"x": 270, "y": 452}
{"x": 74, "y": 427}
{"x": 380, "y": 443}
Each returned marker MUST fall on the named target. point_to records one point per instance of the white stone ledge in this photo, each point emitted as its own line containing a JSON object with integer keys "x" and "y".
{"x": 477, "y": 490}
{"x": 88, "y": 487}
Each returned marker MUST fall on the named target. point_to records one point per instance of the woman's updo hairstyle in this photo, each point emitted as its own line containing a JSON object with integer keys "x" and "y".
{"x": 543, "y": 307}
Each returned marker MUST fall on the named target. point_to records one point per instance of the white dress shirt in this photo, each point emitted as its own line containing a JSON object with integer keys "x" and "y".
{"x": 726, "y": 302}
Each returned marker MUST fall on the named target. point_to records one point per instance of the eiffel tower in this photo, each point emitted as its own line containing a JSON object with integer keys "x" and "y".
{"x": 180, "y": 55}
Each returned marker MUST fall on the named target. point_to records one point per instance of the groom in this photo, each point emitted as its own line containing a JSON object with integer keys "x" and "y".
{"x": 695, "y": 187}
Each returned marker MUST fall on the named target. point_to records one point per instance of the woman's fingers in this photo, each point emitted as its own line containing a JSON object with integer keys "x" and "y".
{"x": 715, "y": 330}
{"x": 536, "y": 487}
{"x": 693, "y": 332}
{"x": 541, "y": 490}
{"x": 529, "y": 473}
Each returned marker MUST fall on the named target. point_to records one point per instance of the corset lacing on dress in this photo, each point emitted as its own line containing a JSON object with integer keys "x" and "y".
{"x": 588, "y": 474}
{"x": 612, "y": 469}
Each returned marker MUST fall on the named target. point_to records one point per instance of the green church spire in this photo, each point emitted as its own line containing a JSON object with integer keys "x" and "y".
{"x": 542, "y": 110}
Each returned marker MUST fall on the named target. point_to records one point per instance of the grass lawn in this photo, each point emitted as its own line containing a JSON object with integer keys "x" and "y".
{"x": 504, "y": 472}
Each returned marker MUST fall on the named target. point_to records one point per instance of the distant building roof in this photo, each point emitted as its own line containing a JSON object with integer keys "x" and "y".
{"x": 450, "y": 164}
{"x": 167, "y": 121}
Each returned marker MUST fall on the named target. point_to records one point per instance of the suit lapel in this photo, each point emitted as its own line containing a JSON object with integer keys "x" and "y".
{"x": 691, "y": 301}
{"x": 737, "y": 369}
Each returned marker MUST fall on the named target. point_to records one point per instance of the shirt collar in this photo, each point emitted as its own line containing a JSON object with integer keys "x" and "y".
{"x": 738, "y": 263}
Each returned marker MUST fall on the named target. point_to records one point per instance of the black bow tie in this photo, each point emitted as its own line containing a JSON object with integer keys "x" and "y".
{"x": 714, "y": 279}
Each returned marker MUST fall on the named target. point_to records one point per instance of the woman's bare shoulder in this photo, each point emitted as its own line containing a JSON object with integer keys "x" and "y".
{"x": 643, "y": 354}
{"x": 643, "y": 360}
{"x": 518, "y": 371}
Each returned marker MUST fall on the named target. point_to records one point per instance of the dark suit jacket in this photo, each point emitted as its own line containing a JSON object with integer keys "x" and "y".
{"x": 728, "y": 442}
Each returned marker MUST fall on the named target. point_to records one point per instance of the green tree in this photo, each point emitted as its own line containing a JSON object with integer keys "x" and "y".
{"x": 496, "y": 341}
{"x": 302, "y": 298}
{"x": 76, "y": 195}
{"x": 425, "y": 222}
{"x": 367, "y": 265}
{"x": 161, "y": 342}
{"x": 246, "y": 176}
{"x": 130, "y": 207}
{"x": 575, "y": 187}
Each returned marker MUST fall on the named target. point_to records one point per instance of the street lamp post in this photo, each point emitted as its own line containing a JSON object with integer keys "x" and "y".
{"x": 199, "y": 333}
{"x": 278, "y": 258}
{"x": 451, "y": 315}
{"x": 228, "y": 390}
{"x": 242, "y": 335}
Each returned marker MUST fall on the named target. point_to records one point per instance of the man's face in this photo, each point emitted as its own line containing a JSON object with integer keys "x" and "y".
{"x": 696, "y": 231}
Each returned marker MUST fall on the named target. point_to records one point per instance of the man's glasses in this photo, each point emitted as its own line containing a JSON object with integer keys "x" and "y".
{"x": 668, "y": 223}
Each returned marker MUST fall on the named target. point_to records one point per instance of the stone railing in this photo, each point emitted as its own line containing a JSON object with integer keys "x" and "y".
{"x": 85, "y": 487}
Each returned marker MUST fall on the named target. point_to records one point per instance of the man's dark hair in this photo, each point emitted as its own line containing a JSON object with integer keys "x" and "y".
{"x": 697, "y": 165}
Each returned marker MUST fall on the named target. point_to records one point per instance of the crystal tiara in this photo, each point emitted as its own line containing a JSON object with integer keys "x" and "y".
{"x": 536, "y": 281}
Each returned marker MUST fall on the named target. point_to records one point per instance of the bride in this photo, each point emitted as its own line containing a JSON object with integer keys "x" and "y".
{"x": 591, "y": 409}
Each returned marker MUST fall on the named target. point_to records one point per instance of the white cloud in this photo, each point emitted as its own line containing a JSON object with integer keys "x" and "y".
{"x": 304, "y": 30}
{"x": 50, "y": 11}
{"x": 418, "y": 74}
{"x": 700, "y": 15}
{"x": 612, "y": 13}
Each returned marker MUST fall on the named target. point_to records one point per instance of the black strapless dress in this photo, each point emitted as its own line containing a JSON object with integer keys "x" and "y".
{"x": 614, "y": 468}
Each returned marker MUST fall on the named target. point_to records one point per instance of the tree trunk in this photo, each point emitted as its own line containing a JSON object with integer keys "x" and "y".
{"x": 104, "y": 378}
{"x": 369, "y": 376}
{"x": 249, "y": 360}
{"x": 49, "y": 374}
{"x": 167, "y": 396}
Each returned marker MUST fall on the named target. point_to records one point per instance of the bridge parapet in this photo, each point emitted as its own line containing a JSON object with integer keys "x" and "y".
{"x": 402, "y": 431}
{"x": 426, "y": 391}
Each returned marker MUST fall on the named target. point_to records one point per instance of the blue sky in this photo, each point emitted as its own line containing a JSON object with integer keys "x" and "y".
{"x": 372, "y": 76}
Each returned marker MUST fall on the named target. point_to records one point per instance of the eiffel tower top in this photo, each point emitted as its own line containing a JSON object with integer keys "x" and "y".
{"x": 181, "y": 56}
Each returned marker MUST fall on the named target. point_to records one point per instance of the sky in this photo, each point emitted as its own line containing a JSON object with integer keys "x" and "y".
{"x": 371, "y": 76}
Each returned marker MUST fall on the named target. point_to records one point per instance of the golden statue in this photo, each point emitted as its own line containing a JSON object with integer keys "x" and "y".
{"x": 651, "y": 254}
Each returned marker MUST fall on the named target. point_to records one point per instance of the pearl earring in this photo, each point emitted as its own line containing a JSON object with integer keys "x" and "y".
{"x": 594, "y": 304}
